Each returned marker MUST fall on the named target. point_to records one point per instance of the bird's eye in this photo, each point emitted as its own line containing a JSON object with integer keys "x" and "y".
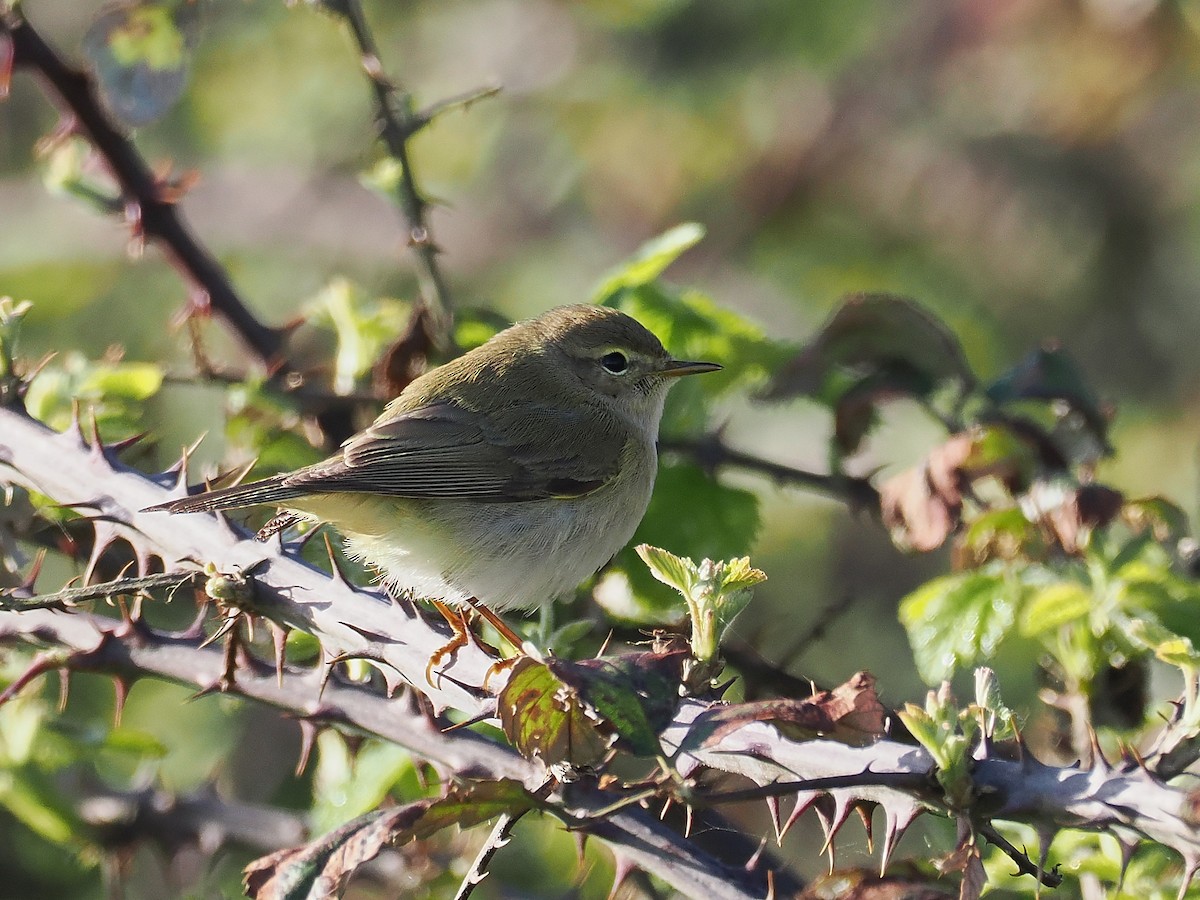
{"x": 614, "y": 363}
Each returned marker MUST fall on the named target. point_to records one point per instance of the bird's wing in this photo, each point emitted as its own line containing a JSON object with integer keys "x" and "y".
{"x": 443, "y": 451}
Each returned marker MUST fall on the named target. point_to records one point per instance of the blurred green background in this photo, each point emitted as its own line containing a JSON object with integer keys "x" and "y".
{"x": 1028, "y": 169}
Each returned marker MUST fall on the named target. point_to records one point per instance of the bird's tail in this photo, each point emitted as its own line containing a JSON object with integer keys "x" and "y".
{"x": 269, "y": 490}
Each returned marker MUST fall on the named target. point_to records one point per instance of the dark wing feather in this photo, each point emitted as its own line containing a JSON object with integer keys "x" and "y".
{"x": 441, "y": 451}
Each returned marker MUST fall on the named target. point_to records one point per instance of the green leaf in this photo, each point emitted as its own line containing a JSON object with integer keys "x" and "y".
{"x": 119, "y": 740}
{"x": 636, "y": 694}
{"x": 121, "y": 381}
{"x": 1171, "y": 648}
{"x": 671, "y": 570}
{"x": 364, "y": 327}
{"x": 114, "y": 391}
{"x": 715, "y": 592}
{"x": 650, "y": 260}
{"x": 1004, "y": 534}
{"x": 1051, "y": 607}
{"x": 1156, "y": 592}
{"x": 958, "y": 620}
{"x": 547, "y": 719}
{"x": 31, "y": 797}
{"x": 347, "y": 785}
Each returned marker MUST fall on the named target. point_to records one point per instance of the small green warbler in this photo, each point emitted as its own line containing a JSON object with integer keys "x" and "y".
{"x": 506, "y": 476}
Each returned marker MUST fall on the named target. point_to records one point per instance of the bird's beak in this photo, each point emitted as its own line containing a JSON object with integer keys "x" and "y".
{"x": 676, "y": 367}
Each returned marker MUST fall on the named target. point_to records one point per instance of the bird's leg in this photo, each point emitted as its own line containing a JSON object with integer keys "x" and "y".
{"x": 498, "y": 623}
{"x": 460, "y": 631}
{"x": 501, "y": 665}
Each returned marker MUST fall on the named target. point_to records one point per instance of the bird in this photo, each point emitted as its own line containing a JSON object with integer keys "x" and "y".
{"x": 504, "y": 477}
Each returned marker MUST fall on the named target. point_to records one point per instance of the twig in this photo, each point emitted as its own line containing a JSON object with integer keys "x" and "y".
{"x": 398, "y": 122}
{"x": 1025, "y": 866}
{"x": 711, "y": 452}
{"x": 11, "y": 601}
{"x": 121, "y": 817}
{"x": 479, "y": 868}
{"x": 146, "y": 203}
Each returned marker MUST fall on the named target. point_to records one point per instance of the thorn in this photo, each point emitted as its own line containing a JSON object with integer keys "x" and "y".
{"x": 226, "y": 525}
{"x": 1128, "y": 847}
{"x": 339, "y": 574}
{"x": 896, "y": 822}
{"x": 94, "y": 439}
{"x": 604, "y": 646}
{"x": 1045, "y": 839}
{"x": 1137, "y": 760}
{"x": 374, "y": 637}
{"x": 34, "y": 571}
{"x": 76, "y": 426}
{"x": 580, "y": 846}
{"x": 1098, "y": 759}
{"x": 666, "y": 808}
{"x": 279, "y": 635}
{"x": 227, "y": 623}
{"x": 41, "y": 664}
{"x": 773, "y": 812}
{"x": 689, "y": 817}
{"x": 831, "y": 820}
{"x": 196, "y": 629}
{"x": 756, "y": 856}
{"x": 135, "y": 611}
{"x": 302, "y": 540}
{"x": 121, "y": 687}
{"x": 180, "y": 468}
{"x": 864, "y": 810}
{"x": 622, "y": 869}
{"x": 1190, "y": 864}
{"x": 36, "y": 369}
{"x": 308, "y": 737}
{"x": 326, "y": 674}
{"x": 466, "y": 723}
{"x": 104, "y": 535}
{"x": 116, "y": 447}
{"x": 64, "y": 688}
{"x": 142, "y": 557}
{"x": 804, "y": 800}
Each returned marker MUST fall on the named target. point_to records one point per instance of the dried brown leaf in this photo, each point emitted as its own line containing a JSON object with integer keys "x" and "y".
{"x": 851, "y": 713}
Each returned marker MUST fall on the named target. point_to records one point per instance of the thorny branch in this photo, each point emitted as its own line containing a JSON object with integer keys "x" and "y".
{"x": 1126, "y": 798}
{"x": 349, "y": 622}
{"x": 1025, "y": 866}
{"x": 149, "y": 208}
{"x": 398, "y": 122}
{"x": 499, "y": 836}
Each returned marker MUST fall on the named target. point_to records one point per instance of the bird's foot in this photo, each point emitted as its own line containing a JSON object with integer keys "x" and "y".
{"x": 460, "y": 636}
